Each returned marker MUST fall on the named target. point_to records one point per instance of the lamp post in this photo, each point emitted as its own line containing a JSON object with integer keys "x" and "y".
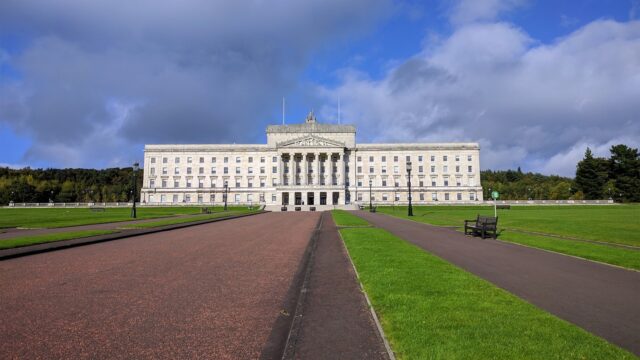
{"x": 51, "y": 196}
{"x": 136, "y": 167}
{"x": 395, "y": 196}
{"x": 225, "y": 194}
{"x": 410, "y": 213}
{"x": 370, "y": 200}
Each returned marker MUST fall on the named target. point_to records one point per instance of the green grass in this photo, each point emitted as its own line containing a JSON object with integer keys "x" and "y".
{"x": 45, "y": 238}
{"x": 430, "y": 309}
{"x": 187, "y": 219}
{"x": 62, "y": 217}
{"x": 627, "y": 258}
{"x": 619, "y": 224}
{"x": 344, "y": 218}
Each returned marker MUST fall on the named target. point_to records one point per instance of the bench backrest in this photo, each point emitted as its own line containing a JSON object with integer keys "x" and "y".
{"x": 488, "y": 222}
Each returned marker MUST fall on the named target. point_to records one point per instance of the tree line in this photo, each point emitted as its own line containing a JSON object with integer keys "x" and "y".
{"x": 616, "y": 177}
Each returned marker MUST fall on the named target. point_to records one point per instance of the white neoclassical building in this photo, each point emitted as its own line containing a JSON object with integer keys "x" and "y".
{"x": 311, "y": 164}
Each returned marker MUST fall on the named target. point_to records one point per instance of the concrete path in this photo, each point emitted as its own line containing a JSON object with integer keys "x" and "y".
{"x": 336, "y": 320}
{"x": 602, "y": 299}
{"x": 211, "y": 291}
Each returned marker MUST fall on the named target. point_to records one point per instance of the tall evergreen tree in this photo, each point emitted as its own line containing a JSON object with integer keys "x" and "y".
{"x": 624, "y": 170}
{"x": 591, "y": 175}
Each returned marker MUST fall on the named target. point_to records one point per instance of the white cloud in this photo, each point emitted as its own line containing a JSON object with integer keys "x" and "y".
{"x": 469, "y": 11}
{"x": 524, "y": 102}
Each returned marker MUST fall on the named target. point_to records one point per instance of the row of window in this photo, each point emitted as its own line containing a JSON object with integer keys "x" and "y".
{"x": 421, "y": 196}
{"x": 383, "y": 158}
{"x": 434, "y": 182}
{"x": 396, "y": 169}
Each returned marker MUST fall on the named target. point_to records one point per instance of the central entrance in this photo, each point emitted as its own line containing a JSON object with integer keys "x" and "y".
{"x": 310, "y": 198}
{"x": 298, "y": 198}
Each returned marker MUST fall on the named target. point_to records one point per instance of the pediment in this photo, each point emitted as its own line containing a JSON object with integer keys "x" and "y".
{"x": 310, "y": 141}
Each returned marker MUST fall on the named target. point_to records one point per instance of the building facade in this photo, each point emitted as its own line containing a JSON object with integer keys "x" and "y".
{"x": 311, "y": 164}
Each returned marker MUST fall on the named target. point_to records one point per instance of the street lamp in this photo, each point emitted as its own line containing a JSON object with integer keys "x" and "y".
{"x": 51, "y": 196}
{"x": 395, "y": 196}
{"x": 409, "y": 185}
{"x": 136, "y": 167}
{"x": 225, "y": 194}
{"x": 370, "y": 200}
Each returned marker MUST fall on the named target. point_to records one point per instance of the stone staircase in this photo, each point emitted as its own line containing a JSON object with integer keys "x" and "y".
{"x": 276, "y": 208}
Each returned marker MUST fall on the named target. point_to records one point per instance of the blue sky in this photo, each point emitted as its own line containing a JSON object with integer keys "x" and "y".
{"x": 87, "y": 84}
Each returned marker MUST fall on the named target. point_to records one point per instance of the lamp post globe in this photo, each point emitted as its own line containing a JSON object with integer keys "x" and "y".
{"x": 136, "y": 167}
{"x": 410, "y": 212}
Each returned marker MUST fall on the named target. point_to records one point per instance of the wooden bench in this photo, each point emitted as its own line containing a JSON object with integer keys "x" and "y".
{"x": 504, "y": 206}
{"x": 482, "y": 226}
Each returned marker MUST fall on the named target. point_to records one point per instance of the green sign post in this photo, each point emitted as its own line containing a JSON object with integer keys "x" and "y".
{"x": 495, "y": 195}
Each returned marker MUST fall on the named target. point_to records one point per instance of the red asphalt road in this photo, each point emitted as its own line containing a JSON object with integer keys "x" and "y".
{"x": 208, "y": 291}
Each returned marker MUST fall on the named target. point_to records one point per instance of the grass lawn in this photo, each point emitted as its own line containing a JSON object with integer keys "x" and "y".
{"x": 430, "y": 309}
{"x": 618, "y": 224}
{"x": 182, "y": 220}
{"x": 615, "y": 224}
{"x": 39, "y": 239}
{"x": 344, "y": 218}
{"x": 61, "y": 217}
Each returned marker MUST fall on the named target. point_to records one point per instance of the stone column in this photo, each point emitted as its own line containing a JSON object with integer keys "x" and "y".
{"x": 340, "y": 169}
{"x": 295, "y": 169}
{"x": 318, "y": 169}
{"x": 305, "y": 178}
{"x": 280, "y": 169}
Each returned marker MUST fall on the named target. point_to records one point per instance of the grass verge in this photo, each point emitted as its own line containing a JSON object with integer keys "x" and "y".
{"x": 187, "y": 219}
{"x": 45, "y": 238}
{"x": 344, "y": 218}
{"x": 430, "y": 309}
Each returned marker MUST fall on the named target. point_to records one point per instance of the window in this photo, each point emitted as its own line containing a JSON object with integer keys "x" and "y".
{"x": 458, "y": 182}
{"x": 459, "y": 196}
{"x": 175, "y": 198}
{"x": 226, "y": 159}
{"x": 384, "y": 169}
{"x": 420, "y": 168}
{"x": 472, "y": 196}
{"x": 445, "y": 169}
{"x": 446, "y": 196}
{"x": 213, "y": 160}
{"x": 274, "y": 181}
{"x": 213, "y": 169}
{"x": 262, "y": 170}
{"x": 359, "y": 182}
{"x": 434, "y": 196}
{"x": 433, "y": 168}
{"x": 262, "y": 183}
{"x": 472, "y": 181}
{"x": 225, "y": 170}
{"x": 433, "y": 158}
{"x": 444, "y": 158}
{"x": 384, "y": 182}
{"x": 213, "y": 183}
{"x": 237, "y": 198}
{"x": 419, "y": 158}
{"x": 395, "y": 159}
{"x": 469, "y": 157}
{"x": 359, "y": 196}
{"x": 359, "y": 158}
{"x": 262, "y": 159}
{"x": 201, "y": 160}
{"x": 163, "y": 198}
{"x": 274, "y": 159}
{"x": 212, "y": 198}
{"x": 359, "y": 169}
{"x": 384, "y": 158}
{"x": 408, "y": 158}
{"x": 457, "y": 168}
{"x": 250, "y": 183}
{"x": 261, "y": 197}
{"x": 176, "y": 183}
{"x": 200, "y": 183}
{"x": 250, "y": 159}
{"x": 421, "y": 196}
{"x": 152, "y": 183}
{"x": 421, "y": 183}
{"x": 177, "y": 160}
{"x": 189, "y": 160}
{"x": 237, "y": 183}
{"x": 164, "y": 183}
{"x": 201, "y": 170}
{"x": 250, "y": 170}
{"x": 370, "y": 158}
{"x": 164, "y": 171}
{"x": 396, "y": 170}
{"x": 176, "y": 171}
{"x": 153, "y": 160}
{"x": 238, "y": 159}
{"x": 188, "y": 183}
{"x": 237, "y": 169}
{"x": 187, "y": 198}
{"x": 164, "y": 160}
{"x": 371, "y": 169}
{"x": 188, "y": 170}
{"x": 153, "y": 171}
{"x": 273, "y": 198}
{"x": 470, "y": 168}
{"x": 457, "y": 157}
{"x": 433, "y": 182}
{"x": 274, "y": 170}
{"x": 446, "y": 182}
{"x": 384, "y": 197}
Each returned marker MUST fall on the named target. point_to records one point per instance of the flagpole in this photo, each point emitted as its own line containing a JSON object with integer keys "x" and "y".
{"x": 338, "y": 110}
{"x": 283, "y": 101}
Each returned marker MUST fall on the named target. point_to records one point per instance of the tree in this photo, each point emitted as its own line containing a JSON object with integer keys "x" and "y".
{"x": 591, "y": 175}
{"x": 624, "y": 170}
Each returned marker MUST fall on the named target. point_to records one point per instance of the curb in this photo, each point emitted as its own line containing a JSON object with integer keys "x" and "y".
{"x": 387, "y": 346}
{"x": 65, "y": 244}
